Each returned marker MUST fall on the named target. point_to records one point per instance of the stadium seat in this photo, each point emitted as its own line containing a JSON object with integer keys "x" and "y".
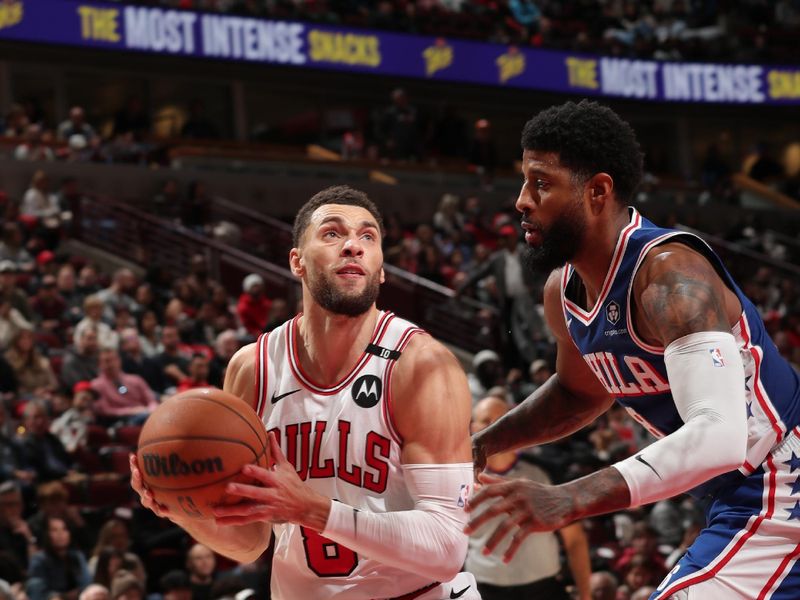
{"x": 127, "y": 435}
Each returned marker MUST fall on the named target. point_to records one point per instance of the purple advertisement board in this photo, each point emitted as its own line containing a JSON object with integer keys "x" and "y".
{"x": 108, "y": 26}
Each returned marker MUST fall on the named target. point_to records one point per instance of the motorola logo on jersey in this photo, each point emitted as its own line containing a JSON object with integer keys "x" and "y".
{"x": 612, "y": 312}
{"x": 367, "y": 391}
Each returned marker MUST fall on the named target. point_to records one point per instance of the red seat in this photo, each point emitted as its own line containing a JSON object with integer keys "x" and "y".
{"x": 115, "y": 459}
{"x": 127, "y": 435}
{"x": 101, "y": 492}
{"x": 89, "y": 461}
{"x": 97, "y": 435}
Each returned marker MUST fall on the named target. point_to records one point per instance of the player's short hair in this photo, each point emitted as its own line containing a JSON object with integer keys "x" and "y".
{"x": 338, "y": 194}
{"x": 589, "y": 138}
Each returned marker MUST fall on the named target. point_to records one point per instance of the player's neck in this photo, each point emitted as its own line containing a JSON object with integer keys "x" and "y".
{"x": 330, "y": 345}
{"x": 593, "y": 260}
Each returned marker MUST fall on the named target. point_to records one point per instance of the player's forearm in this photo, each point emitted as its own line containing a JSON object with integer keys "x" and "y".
{"x": 242, "y": 543}
{"x": 549, "y": 414}
{"x": 599, "y": 493}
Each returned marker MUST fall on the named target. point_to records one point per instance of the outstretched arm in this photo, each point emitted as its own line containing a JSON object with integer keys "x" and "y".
{"x": 689, "y": 311}
{"x": 569, "y": 400}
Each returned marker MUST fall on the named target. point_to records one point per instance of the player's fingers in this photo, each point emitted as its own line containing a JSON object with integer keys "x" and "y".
{"x": 498, "y": 508}
{"x": 275, "y": 450}
{"x": 488, "y": 478}
{"x": 485, "y": 493}
{"x": 516, "y": 542}
{"x": 253, "y": 492}
{"x": 505, "y": 527}
{"x": 260, "y": 474}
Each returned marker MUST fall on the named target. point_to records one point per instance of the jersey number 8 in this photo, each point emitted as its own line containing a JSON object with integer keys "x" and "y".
{"x": 327, "y": 558}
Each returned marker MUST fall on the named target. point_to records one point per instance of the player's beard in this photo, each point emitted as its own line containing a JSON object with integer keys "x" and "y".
{"x": 560, "y": 241}
{"x": 339, "y": 302}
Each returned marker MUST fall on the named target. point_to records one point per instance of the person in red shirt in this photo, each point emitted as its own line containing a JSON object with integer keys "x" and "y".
{"x": 254, "y": 306}
{"x": 198, "y": 373}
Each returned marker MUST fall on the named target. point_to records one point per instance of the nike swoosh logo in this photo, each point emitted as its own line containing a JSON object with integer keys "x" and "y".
{"x": 455, "y": 594}
{"x": 277, "y": 398}
{"x": 644, "y": 462}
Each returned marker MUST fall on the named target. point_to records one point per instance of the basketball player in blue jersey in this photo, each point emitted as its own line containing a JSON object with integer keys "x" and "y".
{"x": 368, "y": 421}
{"x": 648, "y": 317}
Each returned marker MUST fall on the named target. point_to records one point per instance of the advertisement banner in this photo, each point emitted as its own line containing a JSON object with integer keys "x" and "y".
{"x": 107, "y": 26}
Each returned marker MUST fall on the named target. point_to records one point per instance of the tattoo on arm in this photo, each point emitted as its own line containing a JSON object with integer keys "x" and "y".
{"x": 684, "y": 300}
{"x": 598, "y": 493}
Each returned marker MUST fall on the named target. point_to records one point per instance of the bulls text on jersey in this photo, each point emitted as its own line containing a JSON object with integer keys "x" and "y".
{"x": 302, "y": 445}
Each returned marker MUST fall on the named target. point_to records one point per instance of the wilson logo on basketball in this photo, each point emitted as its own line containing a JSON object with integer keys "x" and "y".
{"x": 157, "y": 465}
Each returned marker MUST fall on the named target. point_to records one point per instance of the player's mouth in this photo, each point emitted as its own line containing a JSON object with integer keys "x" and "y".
{"x": 350, "y": 271}
{"x": 533, "y": 233}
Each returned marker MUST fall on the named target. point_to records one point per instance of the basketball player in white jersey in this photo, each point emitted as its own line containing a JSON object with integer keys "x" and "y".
{"x": 369, "y": 429}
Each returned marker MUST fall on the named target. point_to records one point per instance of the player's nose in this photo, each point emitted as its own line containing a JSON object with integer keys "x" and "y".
{"x": 352, "y": 247}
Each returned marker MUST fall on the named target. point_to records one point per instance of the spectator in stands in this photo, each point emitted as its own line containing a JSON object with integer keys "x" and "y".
{"x": 80, "y": 363}
{"x": 94, "y": 591}
{"x": 640, "y": 572}
{"x": 644, "y": 543}
{"x": 150, "y": 334}
{"x": 198, "y": 279}
{"x": 201, "y": 565}
{"x": 59, "y": 567}
{"x": 76, "y": 125}
{"x": 487, "y": 372}
{"x": 175, "y": 585}
{"x": 448, "y": 220}
{"x": 17, "y": 541}
{"x": 12, "y": 249}
{"x": 253, "y": 306}
{"x": 16, "y": 122}
{"x": 172, "y": 362}
{"x": 603, "y": 586}
{"x": 115, "y": 534}
{"x": 41, "y": 451}
{"x": 146, "y": 300}
{"x": 109, "y": 561}
{"x": 483, "y": 153}
{"x": 121, "y": 396}
{"x": 134, "y": 361}
{"x": 48, "y": 305}
{"x": 93, "y": 310}
{"x": 32, "y": 148}
{"x": 224, "y": 309}
{"x": 41, "y": 205}
{"x": 71, "y": 426}
{"x": 10, "y": 460}
{"x": 225, "y": 346}
{"x": 278, "y": 314}
{"x": 198, "y": 373}
{"x": 34, "y": 375}
{"x": 11, "y": 293}
{"x": 126, "y": 586}
{"x": 399, "y": 128}
{"x": 67, "y": 288}
{"x": 532, "y": 572}
{"x": 11, "y": 324}
{"x": 119, "y": 293}
{"x": 198, "y": 126}
{"x": 53, "y": 502}
{"x": 87, "y": 280}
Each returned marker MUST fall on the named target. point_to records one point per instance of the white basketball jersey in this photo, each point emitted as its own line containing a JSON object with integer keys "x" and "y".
{"x": 343, "y": 444}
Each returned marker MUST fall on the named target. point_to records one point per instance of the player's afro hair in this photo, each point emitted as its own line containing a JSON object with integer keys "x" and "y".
{"x": 589, "y": 138}
{"x": 338, "y": 194}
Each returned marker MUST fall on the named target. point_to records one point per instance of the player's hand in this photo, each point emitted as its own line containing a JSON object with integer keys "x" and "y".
{"x": 278, "y": 496}
{"x": 145, "y": 494}
{"x": 478, "y": 456}
{"x": 528, "y": 507}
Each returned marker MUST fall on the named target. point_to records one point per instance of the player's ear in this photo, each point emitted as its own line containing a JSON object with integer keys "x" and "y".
{"x": 383, "y": 275}
{"x": 599, "y": 188}
{"x": 297, "y": 263}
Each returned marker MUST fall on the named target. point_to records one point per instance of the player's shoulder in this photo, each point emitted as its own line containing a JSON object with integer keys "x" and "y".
{"x": 672, "y": 261}
{"x": 240, "y": 373}
{"x": 423, "y": 352}
{"x": 244, "y": 357}
{"x": 552, "y": 286}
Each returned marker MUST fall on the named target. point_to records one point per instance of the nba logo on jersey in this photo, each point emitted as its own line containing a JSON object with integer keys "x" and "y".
{"x": 463, "y": 496}
{"x": 716, "y": 357}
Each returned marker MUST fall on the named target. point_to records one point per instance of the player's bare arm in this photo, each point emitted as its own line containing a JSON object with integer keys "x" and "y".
{"x": 243, "y": 543}
{"x": 432, "y": 404}
{"x": 678, "y": 293}
{"x": 571, "y": 399}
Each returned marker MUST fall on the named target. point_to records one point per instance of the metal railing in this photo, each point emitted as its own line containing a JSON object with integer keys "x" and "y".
{"x": 263, "y": 247}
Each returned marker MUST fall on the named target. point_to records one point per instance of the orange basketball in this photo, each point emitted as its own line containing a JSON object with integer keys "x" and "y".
{"x": 194, "y": 444}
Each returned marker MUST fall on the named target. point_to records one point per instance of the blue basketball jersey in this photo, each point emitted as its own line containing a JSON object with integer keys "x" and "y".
{"x": 634, "y": 372}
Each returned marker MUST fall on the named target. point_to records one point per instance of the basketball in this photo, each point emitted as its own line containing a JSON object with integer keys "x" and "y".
{"x": 194, "y": 444}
